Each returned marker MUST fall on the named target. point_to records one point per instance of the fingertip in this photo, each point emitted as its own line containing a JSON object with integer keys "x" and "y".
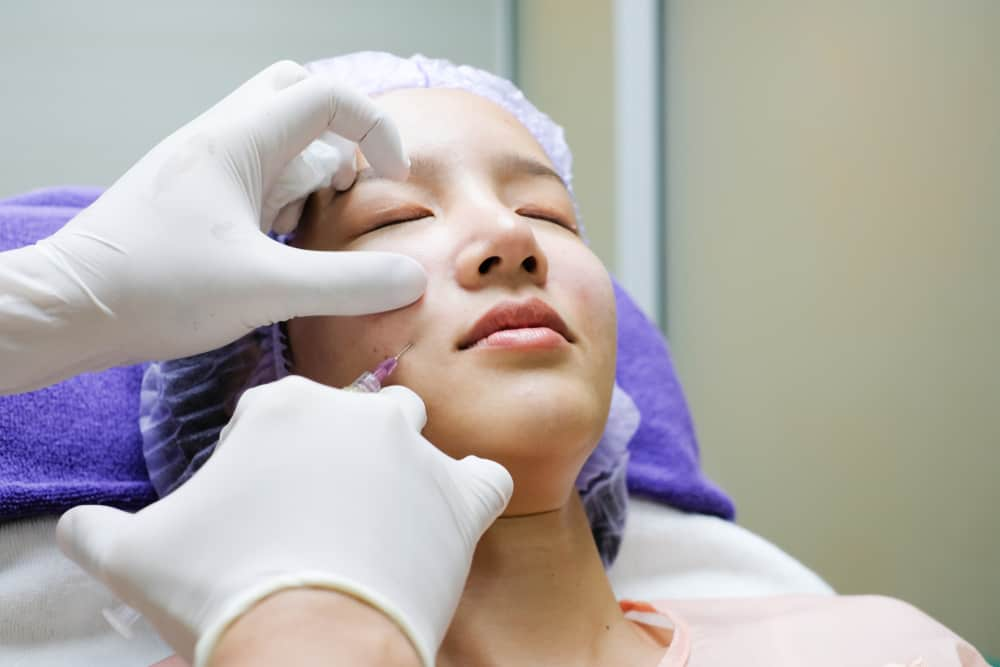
{"x": 283, "y": 73}
{"x": 382, "y": 146}
{"x": 407, "y": 278}
{"x": 313, "y": 282}
{"x": 83, "y": 534}
{"x": 66, "y": 532}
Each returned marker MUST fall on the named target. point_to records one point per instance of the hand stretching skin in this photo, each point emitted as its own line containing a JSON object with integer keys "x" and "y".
{"x": 172, "y": 259}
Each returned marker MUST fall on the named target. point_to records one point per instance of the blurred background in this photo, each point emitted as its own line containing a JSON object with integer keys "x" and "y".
{"x": 804, "y": 195}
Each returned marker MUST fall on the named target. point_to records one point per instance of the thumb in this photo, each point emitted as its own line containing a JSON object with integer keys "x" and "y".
{"x": 491, "y": 485}
{"x": 310, "y": 282}
{"x": 87, "y": 534}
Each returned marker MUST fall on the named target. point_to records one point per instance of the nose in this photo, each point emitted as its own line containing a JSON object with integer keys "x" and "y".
{"x": 501, "y": 250}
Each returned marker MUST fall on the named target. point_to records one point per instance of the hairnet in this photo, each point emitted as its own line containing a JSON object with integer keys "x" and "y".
{"x": 186, "y": 402}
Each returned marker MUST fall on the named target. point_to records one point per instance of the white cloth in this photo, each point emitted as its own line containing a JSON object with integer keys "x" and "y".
{"x": 666, "y": 553}
{"x": 50, "y": 611}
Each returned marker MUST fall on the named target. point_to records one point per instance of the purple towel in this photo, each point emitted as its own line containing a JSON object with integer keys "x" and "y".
{"x": 663, "y": 454}
{"x": 78, "y": 441}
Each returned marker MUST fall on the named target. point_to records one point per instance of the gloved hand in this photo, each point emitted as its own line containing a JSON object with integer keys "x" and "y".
{"x": 309, "y": 487}
{"x": 172, "y": 261}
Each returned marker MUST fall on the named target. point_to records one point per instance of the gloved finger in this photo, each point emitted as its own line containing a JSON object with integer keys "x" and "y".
{"x": 302, "y": 283}
{"x": 358, "y": 119}
{"x": 383, "y": 148}
{"x": 328, "y": 159}
{"x": 412, "y": 406}
{"x": 491, "y": 484}
{"x": 283, "y": 126}
{"x": 87, "y": 533}
{"x": 258, "y": 88}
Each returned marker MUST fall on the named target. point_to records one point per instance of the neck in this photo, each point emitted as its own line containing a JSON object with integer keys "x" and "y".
{"x": 537, "y": 594}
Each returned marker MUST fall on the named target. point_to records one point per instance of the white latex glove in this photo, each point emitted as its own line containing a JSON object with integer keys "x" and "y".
{"x": 309, "y": 487}
{"x": 330, "y": 160}
{"x": 172, "y": 261}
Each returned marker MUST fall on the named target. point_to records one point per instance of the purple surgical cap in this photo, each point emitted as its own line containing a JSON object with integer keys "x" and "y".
{"x": 376, "y": 72}
{"x": 186, "y": 402}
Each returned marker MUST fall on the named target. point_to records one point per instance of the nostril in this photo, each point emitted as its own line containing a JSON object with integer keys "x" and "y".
{"x": 488, "y": 264}
{"x": 530, "y": 264}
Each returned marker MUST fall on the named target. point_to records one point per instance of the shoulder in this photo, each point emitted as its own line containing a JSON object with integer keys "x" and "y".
{"x": 888, "y": 612}
{"x": 854, "y": 608}
{"x": 873, "y": 625}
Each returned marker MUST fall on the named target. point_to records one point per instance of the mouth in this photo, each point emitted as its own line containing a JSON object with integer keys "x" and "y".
{"x": 518, "y": 324}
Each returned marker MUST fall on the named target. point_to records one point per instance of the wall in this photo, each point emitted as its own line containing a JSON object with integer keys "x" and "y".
{"x": 565, "y": 67}
{"x": 833, "y": 244}
{"x": 89, "y": 87}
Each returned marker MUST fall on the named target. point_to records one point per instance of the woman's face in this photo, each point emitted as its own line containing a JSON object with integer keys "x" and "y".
{"x": 514, "y": 340}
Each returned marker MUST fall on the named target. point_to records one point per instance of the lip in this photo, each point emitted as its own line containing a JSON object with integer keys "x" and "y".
{"x": 526, "y": 317}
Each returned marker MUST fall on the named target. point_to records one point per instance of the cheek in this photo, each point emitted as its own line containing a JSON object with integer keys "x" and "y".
{"x": 597, "y": 300}
{"x": 584, "y": 281}
{"x": 335, "y": 350}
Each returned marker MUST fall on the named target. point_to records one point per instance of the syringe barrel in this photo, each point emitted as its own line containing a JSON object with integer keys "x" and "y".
{"x": 367, "y": 383}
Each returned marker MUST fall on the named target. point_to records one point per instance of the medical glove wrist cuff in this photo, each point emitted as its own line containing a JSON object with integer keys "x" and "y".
{"x": 235, "y": 608}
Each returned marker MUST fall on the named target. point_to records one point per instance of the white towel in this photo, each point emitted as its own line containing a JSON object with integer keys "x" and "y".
{"x": 671, "y": 554}
{"x": 50, "y": 610}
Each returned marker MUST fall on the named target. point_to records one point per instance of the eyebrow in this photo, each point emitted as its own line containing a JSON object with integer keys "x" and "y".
{"x": 428, "y": 168}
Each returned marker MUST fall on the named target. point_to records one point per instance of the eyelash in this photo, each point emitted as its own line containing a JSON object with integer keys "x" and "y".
{"x": 412, "y": 216}
{"x": 547, "y": 217}
{"x": 402, "y": 217}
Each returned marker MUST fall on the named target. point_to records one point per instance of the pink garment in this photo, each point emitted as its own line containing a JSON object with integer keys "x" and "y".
{"x": 793, "y": 631}
{"x": 801, "y": 631}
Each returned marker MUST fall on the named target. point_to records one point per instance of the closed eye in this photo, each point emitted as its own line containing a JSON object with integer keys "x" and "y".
{"x": 398, "y": 217}
{"x": 547, "y": 216}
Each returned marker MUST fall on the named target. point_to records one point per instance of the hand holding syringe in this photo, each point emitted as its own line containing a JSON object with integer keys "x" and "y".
{"x": 122, "y": 617}
{"x": 240, "y": 551}
{"x": 371, "y": 381}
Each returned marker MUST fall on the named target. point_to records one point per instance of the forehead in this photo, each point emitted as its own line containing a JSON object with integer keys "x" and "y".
{"x": 456, "y": 124}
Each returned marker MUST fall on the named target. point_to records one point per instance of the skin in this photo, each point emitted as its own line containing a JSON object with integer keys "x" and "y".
{"x": 310, "y": 628}
{"x": 480, "y": 204}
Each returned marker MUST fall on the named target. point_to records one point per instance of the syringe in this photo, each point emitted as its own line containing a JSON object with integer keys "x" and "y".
{"x": 371, "y": 381}
{"x": 122, "y": 617}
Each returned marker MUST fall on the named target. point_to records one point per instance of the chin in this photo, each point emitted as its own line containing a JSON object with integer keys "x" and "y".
{"x": 531, "y": 420}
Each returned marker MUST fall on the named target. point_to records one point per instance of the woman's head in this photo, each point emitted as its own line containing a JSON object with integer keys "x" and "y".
{"x": 493, "y": 223}
{"x": 499, "y": 233}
